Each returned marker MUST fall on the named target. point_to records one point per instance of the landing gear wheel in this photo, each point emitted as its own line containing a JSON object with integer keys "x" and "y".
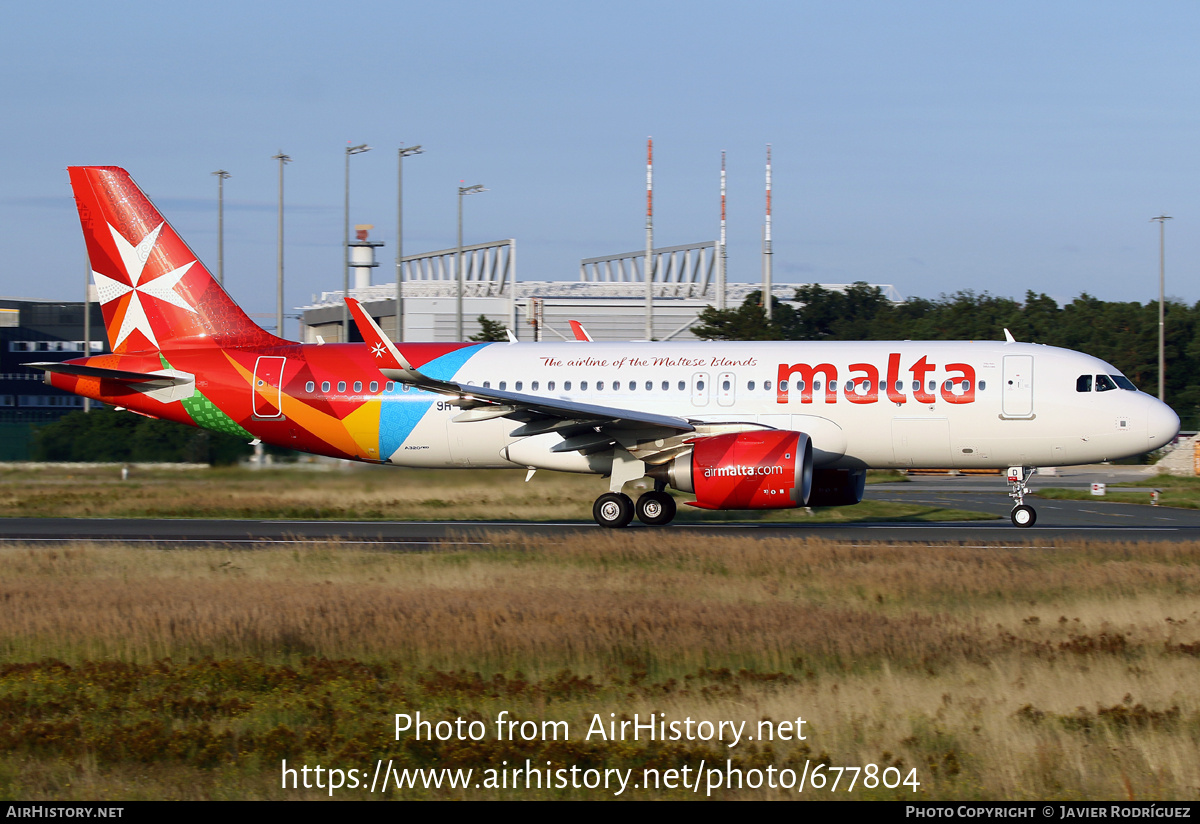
{"x": 656, "y": 509}
{"x": 1023, "y": 516}
{"x": 613, "y": 510}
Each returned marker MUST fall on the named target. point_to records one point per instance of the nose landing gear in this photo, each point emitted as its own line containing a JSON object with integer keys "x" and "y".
{"x": 1022, "y": 515}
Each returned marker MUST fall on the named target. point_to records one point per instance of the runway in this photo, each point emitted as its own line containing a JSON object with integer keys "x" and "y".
{"x": 1095, "y": 520}
{"x": 1057, "y": 520}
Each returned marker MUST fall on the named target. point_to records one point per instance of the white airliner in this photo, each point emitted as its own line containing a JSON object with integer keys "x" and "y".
{"x": 737, "y": 425}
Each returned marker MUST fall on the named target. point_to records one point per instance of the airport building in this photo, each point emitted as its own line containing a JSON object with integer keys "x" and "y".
{"x": 38, "y": 331}
{"x": 608, "y": 298}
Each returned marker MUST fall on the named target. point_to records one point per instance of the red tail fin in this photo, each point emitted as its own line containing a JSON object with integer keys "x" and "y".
{"x": 154, "y": 292}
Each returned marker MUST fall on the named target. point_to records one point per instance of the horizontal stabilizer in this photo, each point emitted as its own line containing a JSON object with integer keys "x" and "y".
{"x": 165, "y": 378}
{"x": 166, "y": 386}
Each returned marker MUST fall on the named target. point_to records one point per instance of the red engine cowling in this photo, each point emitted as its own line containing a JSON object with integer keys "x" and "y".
{"x": 763, "y": 469}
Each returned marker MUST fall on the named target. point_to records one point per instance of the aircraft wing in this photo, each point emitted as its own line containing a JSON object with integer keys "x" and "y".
{"x": 538, "y": 413}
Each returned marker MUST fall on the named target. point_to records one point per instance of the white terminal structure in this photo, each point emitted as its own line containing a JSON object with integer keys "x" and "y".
{"x": 655, "y": 293}
{"x": 608, "y": 298}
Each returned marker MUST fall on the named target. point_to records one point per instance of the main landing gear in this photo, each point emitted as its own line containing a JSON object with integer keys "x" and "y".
{"x": 616, "y": 509}
{"x": 1022, "y": 514}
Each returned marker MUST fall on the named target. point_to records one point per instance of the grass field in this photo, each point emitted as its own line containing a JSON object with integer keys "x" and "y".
{"x": 1050, "y": 673}
{"x": 1176, "y": 491}
{"x": 365, "y": 494}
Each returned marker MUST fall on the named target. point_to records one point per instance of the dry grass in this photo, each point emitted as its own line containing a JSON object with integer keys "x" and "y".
{"x": 998, "y": 674}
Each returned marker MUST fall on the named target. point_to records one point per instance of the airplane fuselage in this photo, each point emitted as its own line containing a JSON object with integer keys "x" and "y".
{"x": 864, "y": 404}
{"x": 739, "y": 425}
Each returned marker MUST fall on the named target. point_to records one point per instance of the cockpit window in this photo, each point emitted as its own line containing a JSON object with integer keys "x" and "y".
{"x": 1124, "y": 382}
{"x": 1083, "y": 383}
{"x": 1104, "y": 383}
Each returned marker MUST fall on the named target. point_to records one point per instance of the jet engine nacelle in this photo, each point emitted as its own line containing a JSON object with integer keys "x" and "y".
{"x": 837, "y": 487}
{"x": 763, "y": 469}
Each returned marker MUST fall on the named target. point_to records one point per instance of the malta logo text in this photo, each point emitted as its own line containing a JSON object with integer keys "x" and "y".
{"x": 863, "y": 385}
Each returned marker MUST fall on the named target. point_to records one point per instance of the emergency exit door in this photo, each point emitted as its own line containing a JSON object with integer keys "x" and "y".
{"x": 267, "y": 390}
{"x": 1018, "y": 386}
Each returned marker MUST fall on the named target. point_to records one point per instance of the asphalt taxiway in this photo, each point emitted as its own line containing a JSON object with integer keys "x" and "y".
{"x": 1095, "y": 519}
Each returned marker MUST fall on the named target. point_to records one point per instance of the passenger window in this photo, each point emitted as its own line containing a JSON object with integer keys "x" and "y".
{"x": 1104, "y": 383}
{"x": 599, "y": 386}
{"x": 783, "y": 386}
{"x": 616, "y": 385}
{"x": 816, "y": 385}
{"x": 1083, "y": 383}
{"x": 310, "y": 386}
{"x": 899, "y": 386}
{"x": 583, "y": 386}
{"x": 682, "y": 386}
{"x": 358, "y": 386}
{"x": 932, "y": 385}
{"x": 916, "y": 386}
{"x": 650, "y": 386}
{"x": 567, "y": 386}
{"x": 549, "y": 386}
{"x": 724, "y": 386}
{"x": 700, "y": 386}
{"x": 519, "y": 384}
{"x": 750, "y": 385}
{"x": 666, "y": 385}
{"x": 633, "y": 386}
{"x": 374, "y": 387}
{"x": 503, "y": 385}
{"x": 949, "y": 386}
{"x": 389, "y": 387}
{"x": 487, "y": 384}
{"x": 767, "y": 385}
{"x": 982, "y": 385}
{"x": 533, "y": 386}
{"x": 324, "y": 386}
{"x": 341, "y": 386}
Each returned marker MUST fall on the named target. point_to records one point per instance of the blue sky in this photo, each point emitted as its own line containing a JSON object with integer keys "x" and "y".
{"x": 935, "y": 146}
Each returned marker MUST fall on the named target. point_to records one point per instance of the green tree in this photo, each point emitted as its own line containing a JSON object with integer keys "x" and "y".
{"x": 105, "y": 435}
{"x": 746, "y": 322}
{"x": 489, "y": 330}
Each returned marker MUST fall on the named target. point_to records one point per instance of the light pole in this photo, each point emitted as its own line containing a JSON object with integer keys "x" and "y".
{"x": 404, "y": 152}
{"x": 458, "y": 267}
{"x": 283, "y": 159}
{"x": 1162, "y": 248}
{"x": 350, "y": 150}
{"x": 222, "y": 175}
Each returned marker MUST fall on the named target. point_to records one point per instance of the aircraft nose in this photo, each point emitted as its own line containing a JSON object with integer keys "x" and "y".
{"x": 1162, "y": 424}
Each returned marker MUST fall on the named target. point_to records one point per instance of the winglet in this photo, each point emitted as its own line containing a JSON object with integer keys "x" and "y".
{"x": 1008, "y": 338}
{"x": 387, "y": 356}
{"x": 580, "y": 332}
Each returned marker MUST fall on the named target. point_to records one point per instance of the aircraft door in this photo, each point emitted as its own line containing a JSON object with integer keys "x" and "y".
{"x": 700, "y": 389}
{"x": 267, "y": 391}
{"x": 726, "y": 388}
{"x": 1018, "y": 386}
